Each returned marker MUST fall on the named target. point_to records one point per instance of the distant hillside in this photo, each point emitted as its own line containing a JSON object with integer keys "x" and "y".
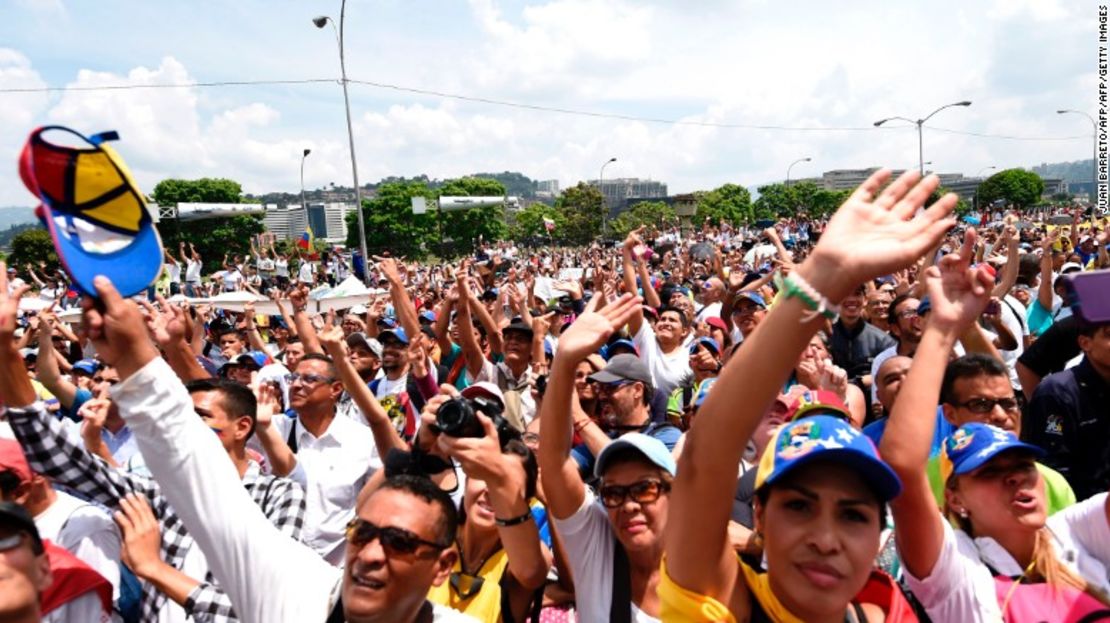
{"x": 6, "y": 235}
{"x": 1078, "y": 171}
{"x": 16, "y": 216}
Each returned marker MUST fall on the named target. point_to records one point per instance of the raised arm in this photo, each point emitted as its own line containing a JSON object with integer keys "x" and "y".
{"x": 48, "y": 372}
{"x": 872, "y": 234}
{"x": 628, "y": 264}
{"x": 298, "y": 298}
{"x": 1044, "y": 289}
{"x": 1010, "y": 269}
{"x": 958, "y": 294}
{"x": 402, "y": 304}
{"x": 471, "y": 349}
{"x": 561, "y": 481}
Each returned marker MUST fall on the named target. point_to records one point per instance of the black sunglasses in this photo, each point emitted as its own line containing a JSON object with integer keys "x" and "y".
{"x": 986, "y": 405}
{"x": 642, "y": 492}
{"x": 395, "y": 541}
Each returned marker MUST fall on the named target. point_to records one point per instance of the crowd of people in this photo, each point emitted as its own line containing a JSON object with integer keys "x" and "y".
{"x": 886, "y": 415}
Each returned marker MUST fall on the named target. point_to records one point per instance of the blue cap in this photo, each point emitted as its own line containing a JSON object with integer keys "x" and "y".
{"x": 93, "y": 209}
{"x": 651, "y": 448}
{"x": 87, "y": 366}
{"x": 972, "y": 445}
{"x": 609, "y": 354}
{"x": 924, "y": 305}
{"x": 709, "y": 343}
{"x": 387, "y": 322}
{"x": 428, "y": 315}
{"x": 278, "y": 322}
{"x": 826, "y": 438}
{"x": 754, "y": 297}
{"x": 397, "y": 333}
{"x": 703, "y": 390}
{"x": 208, "y": 365}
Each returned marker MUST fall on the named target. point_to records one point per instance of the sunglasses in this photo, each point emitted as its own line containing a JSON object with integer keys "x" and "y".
{"x": 642, "y": 492}
{"x": 395, "y": 541}
{"x": 986, "y": 405}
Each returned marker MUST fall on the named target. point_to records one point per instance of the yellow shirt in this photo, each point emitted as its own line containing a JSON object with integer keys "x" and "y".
{"x": 485, "y": 605}
{"x": 680, "y": 604}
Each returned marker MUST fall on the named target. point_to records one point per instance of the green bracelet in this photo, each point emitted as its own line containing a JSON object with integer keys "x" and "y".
{"x": 796, "y": 287}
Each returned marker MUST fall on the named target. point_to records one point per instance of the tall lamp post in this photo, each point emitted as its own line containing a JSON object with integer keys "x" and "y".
{"x": 1094, "y": 150}
{"x": 304, "y": 204}
{"x": 980, "y": 176}
{"x": 600, "y": 189}
{"x": 806, "y": 159}
{"x": 320, "y": 22}
{"x": 919, "y": 123}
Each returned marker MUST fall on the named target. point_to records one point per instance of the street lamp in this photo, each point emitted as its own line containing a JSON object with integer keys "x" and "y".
{"x": 600, "y": 189}
{"x": 806, "y": 159}
{"x": 919, "y": 123}
{"x": 304, "y": 204}
{"x": 1094, "y": 150}
{"x": 990, "y": 168}
{"x": 320, "y": 22}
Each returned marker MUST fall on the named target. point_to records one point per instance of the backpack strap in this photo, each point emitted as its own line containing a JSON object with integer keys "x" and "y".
{"x": 620, "y": 610}
{"x": 292, "y": 440}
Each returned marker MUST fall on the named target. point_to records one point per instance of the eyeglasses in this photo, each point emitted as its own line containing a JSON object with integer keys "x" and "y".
{"x": 908, "y": 313}
{"x": 611, "y": 388}
{"x": 986, "y": 405}
{"x": 395, "y": 541}
{"x": 642, "y": 492}
{"x": 307, "y": 379}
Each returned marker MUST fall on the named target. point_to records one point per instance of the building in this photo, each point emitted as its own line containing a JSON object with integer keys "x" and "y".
{"x": 849, "y": 179}
{"x": 547, "y": 188}
{"x": 286, "y": 223}
{"x": 618, "y": 191}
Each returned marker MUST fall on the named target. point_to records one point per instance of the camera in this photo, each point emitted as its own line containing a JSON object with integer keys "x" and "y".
{"x": 458, "y": 417}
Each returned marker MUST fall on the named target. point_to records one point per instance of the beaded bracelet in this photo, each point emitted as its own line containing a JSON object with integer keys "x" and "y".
{"x": 795, "y": 286}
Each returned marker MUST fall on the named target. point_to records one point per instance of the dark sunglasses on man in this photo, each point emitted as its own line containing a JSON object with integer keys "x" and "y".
{"x": 395, "y": 541}
{"x": 642, "y": 492}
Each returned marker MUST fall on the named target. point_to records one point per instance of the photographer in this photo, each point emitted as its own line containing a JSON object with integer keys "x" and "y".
{"x": 502, "y": 565}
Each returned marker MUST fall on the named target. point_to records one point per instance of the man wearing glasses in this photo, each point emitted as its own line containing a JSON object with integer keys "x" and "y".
{"x": 906, "y": 327}
{"x": 334, "y": 456}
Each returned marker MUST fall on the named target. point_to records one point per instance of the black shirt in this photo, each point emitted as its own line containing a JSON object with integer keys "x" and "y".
{"x": 854, "y": 349}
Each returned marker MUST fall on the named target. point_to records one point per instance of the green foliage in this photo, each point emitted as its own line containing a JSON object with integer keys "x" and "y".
{"x": 391, "y": 225}
{"x": 963, "y": 208}
{"x": 729, "y": 203}
{"x": 779, "y": 200}
{"x": 32, "y": 246}
{"x": 1018, "y": 187}
{"x": 213, "y": 238}
{"x": 8, "y": 234}
{"x": 652, "y": 214}
{"x": 584, "y": 210}
{"x": 515, "y": 184}
{"x": 528, "y": 222}
{"x": 465, "y": 227}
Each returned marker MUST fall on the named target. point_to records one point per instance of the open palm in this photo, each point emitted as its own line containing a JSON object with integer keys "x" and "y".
{"x": 594, "y": 326}
{"x": 958, "y": 293}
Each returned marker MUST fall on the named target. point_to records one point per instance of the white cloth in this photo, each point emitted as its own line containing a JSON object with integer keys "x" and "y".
{"x": 713, "y": 310}
{"x": 82, "y": 609}
{"x": 961, "y": 588}
{"x": 87, "y": 531}
{"x": 667, "y": 370}
{"x": 1019, "y": 329}
{"x": 588, "y": 537}
{"x": 281, "y": 267}
{"x": 192, "y": 271}
{"x": 335, "y": 467}
{"x": 306, "y": 273}
{"x": 173, "y": 269}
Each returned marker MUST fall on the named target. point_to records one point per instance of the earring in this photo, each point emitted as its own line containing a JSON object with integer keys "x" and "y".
{"x": 962, "y": 513}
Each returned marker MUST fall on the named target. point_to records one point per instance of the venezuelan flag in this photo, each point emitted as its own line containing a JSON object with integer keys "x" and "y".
{"x": 305, "y": 241}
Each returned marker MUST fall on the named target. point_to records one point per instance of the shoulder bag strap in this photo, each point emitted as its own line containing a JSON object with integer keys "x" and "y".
{"x": 620, "y": 610}
{"x": 292, "y": 440}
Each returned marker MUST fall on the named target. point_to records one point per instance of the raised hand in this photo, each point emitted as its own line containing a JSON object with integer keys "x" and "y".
{"x": 388, "y": 266}
{"x": 957, "y": 291}
{"x": 418, "y": 356}
{"x": 142, "y": 537}
{"x": 269, "y": 402}
{"x": 875, "y": 233}
{"x": 116, "y": 328}
{"x": 332, "y": 339}
{"x": 594, "y": 326}
{"x": 480, "y": 457}
{"x": 9, "y": 308}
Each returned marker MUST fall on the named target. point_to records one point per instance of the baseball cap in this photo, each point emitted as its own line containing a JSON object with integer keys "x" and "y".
{"x": 703, "y": 390}
{"x": 15, "y": 516}
{"x": 708, "y": 342}
{"x": 754, "y": 297}
{"x": 651, "y": 448}
{"x": 519, "y": 325}
{"x": 924, "y": 306}
{"x": 823, "y": 437}
{"x": 490, "y": 295}
{"x": 12, "y": 460}
{"x": 387, "y": 322}
{"x": 486, "y": 389}
{"x": 93, "y": 209}
{"x": 255, "y": 359}
{"x": 428, "y": 315}
{"x": 87, "y": 366}
{"x": 716, "y": 323}
{"x": 972, "y": 445}
{"x": 357, "y": 310}
{"x": 358, "y": 338}
{"x": 816, "y": 400}
{"x": 621, "y": 343}
{"x": 397, "y": 333}
{"x": 624, "y": 367}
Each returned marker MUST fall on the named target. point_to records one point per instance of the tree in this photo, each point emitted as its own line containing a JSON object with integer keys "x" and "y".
{"x": 32, "y": 246}
{"x": 728, "y": 203}
{"x": 528, "y": 223}
{"x": 774, "y": 200}
{"x": 390, "y": 224}
{"x": 1017, "y": 187}
{"x": 583, "y": 207}
{"x": 779, "y": 200}
{"x": 645, "y": 214}
{"x": 465, "y": 227}
{"x": 212, "y": 237}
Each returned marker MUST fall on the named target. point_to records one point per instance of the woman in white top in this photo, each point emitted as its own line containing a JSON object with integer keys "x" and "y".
{"x": 1004, "y": 559}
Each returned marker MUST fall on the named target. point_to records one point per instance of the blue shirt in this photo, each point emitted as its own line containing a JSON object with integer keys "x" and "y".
{"x": 875, "y": 430}
{"x": 666, "y": 433}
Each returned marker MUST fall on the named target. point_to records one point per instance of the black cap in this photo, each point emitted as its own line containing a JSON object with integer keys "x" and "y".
{"x": 624, "y": 367}
{"x": 519, "y": 325}
{"x": 13, "y": 515}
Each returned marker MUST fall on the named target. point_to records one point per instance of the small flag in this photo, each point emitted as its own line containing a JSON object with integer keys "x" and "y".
{"x": 548, "y": 224}
{"x": 305, "y": 241}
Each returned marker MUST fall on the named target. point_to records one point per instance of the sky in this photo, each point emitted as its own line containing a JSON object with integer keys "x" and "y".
{"x": 682, "y": 83}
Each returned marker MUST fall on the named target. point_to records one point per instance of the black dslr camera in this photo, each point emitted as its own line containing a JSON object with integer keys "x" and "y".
{"x": 458, "y": 417}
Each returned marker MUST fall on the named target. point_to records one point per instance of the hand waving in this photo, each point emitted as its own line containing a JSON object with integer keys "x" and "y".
{"x": 594, "y": 326}
{"x": 958, "y": 292}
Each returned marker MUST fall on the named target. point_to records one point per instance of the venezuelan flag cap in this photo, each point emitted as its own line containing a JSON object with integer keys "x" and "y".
{"x": 92, "y": 208}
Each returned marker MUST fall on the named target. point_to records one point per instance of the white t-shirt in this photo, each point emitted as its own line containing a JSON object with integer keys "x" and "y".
{"x": 709, "y": 311}
{"x": 281, "y": 267}
{"x": 1020, "y": 329}
{"x": 86, "y": 531}
{"x": 192, "y": 271}
{"x": 667, "y": 370}
{"x": 173, "y": 269}
{"x": 589, "y": 539}
{"x": 232, "y": 278}
{"x": 961, "y": 588}
{"x": 306, "y": 274}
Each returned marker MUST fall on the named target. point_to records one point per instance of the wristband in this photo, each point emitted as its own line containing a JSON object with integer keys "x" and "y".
{"x": 583, "y": 424}
{"x": 515, "y": 521}
{"x": 797, "y": 287}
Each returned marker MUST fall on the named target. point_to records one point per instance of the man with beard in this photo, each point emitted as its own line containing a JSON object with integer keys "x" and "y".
{"x": 624, "y": 390}
{"x": 906, "y": 327}
{"x": 746, "y": 311}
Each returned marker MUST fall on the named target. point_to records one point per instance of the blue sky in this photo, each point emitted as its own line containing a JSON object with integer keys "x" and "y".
{"x": 749, "y": 62}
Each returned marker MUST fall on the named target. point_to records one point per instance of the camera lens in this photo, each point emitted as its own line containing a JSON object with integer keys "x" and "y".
{"x": 456, "y": 418}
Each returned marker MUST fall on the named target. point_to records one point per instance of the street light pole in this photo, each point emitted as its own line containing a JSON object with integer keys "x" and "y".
{"x": 920, "y": 123}
{"x": 1094, "y": 150}
{"x": 320, "y": 22}
{"x": 806, "y": 159}
{"x": 600, "y": 189}
{"x": 304, "y": 204}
